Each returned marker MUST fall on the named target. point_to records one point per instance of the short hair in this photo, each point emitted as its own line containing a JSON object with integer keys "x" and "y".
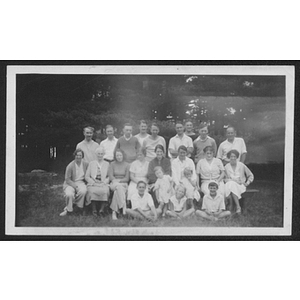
{"x": 143, "y": 122}
{"x": 127, "y": 124}
{"x": 109, "y": 126}
{"x": 203, "y": 125}
{"x": 237, "y": 153}
{"x": 187, "y": 170}
{"x": 121, "y": 151}
{"x": 154, "y": 124}
{"x": 213, "y": 183}
{"x": 143, "y": 151}
{"x": 231, "y": 127}
{"x": 89, "y": 127}
{"x": 100, "y": 148}
{"x": 77, "y": 151}
{"x": 157, "y": 168}
{"x": 179, "y": 122}
{"x": 182, "y": 147}
{"x": 188, "y": 121}
{"x": 180, "y": 186}
{"x": 208, "y": 148}
{"x": 159, "y": 146}
{"x": 141, "y": 182}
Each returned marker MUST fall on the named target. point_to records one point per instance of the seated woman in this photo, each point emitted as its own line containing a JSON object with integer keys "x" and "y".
{"x": 152, "y": 141}
{"x": 142, "y": 204}
{"x": 210, "y": 169}
{"x": 119, "y": 176}
{"x": 74, "y": 185}
{"x": 178, "y": 204}
{"x": 159, "y": 161}
{"x": 238, "y": 177}
{"x": 97, "y": 178}
{"x": 138, "y": 172}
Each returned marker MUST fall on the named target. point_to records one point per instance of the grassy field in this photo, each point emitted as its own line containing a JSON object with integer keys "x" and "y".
{"x": 42, "y": 207}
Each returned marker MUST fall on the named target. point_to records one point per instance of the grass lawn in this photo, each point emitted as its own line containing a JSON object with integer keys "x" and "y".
{"x": 42, "y": 207}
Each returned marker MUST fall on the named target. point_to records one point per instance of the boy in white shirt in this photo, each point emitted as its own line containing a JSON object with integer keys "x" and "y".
{"x": 142, "y": 205}
{"x": 213, "y": 207}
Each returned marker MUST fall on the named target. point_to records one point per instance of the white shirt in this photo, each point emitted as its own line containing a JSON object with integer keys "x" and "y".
{"x": 144, "y": 203}
{"x": 178, "y": 203}
{"x": 176, "y": 141}
{"x": 109, "y": 147}
{"x": 89, "y": 150}
{"x": 79, "y": 172}
{"x": 141, "y": 139}
{"x": 178, "y": 166}
{"x": 237, "y": 144}
{"x": 213, "y": 204}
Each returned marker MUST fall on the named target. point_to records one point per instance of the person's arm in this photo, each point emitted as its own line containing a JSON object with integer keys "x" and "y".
{"x": 88, "y": 177}
{"x": 221, "y": 176}
{"x": 174, "y": 173}
{"x": 167, "y": 166}
{"x": 214, "y": 146}
{"x": 68, "y": 176}
{"x": 243, "y": 157}
{"x": 249, "y": 176}
{"x": 171, "y": 151}
{"x": 111, "y": 172}
{"x": 139, "y": 210}
{"x": 117, "y": 147}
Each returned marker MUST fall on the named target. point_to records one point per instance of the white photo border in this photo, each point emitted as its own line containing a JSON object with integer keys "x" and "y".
{"x": 10, "y": 208}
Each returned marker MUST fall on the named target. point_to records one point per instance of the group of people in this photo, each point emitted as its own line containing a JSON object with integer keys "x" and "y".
{"x": 140, "y": 177}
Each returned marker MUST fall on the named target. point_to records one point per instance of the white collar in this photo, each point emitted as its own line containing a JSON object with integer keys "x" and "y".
{"x": 127, "y": 139}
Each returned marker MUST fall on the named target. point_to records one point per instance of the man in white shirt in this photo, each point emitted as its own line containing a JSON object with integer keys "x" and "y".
{"x": 88, "y": 146}
{"x": 109, "y": 143}
{"x": 180, "y": 139}
{"x": 143, "y": 132}
{"x": 231, "y": 143}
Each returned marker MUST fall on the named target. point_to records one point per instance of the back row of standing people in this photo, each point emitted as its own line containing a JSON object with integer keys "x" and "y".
{"x": 185, "y": 136}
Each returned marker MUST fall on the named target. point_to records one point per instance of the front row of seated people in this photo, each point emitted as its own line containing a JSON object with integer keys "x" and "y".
{"x": 148, "y": 190}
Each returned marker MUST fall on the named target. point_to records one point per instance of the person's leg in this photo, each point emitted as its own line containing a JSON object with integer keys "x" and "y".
{"x": 165, "y": 208}
{"x": 237, "y": 203}
{"x": 94, "y": 208}
{"x": 229, "y": 203}
{"x": 188, "y": 212}
{"x": 70, "y": 197}
{"x": 134, "y": 214}
{"x": 121, "y": 196}
{"x": 172, "y": 214}
{"x": 204, "y": 215}
{"x": 224, "y": 214}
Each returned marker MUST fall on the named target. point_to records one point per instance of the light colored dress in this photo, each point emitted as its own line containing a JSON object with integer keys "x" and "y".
{"x": 150, "y": 145}
{"x": 97, "y": 191}
{"x": 238, "y": 178}
{"x": 178, "y": 204}
{"x": 210, "y": 172}
{"x": 191, "y": 191}
{"x": 140, "y": 170}
{"x": 164, "y": 188}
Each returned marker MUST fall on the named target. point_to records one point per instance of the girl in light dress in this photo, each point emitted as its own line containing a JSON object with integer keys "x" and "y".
{"x": 190, "y": 185}
{"x": 163, "y": 188}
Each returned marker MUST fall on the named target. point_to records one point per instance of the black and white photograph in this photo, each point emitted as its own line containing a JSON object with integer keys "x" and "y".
{"x": 149, "y": 150}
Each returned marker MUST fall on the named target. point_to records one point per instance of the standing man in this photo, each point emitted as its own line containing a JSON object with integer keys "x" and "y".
{"x": 143, "y": 132}
{"x": 180, "y": 139}
{"x": 88, "y": 146}
{"x": 189, "y": 129}
{"x": 202, "y": 141}
{"x": 109, "y": 144}
{"x": 231, "y": 143}
{"x": 128, "y": 143}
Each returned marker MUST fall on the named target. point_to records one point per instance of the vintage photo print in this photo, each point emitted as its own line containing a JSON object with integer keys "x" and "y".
{"x": 149, "y": 150}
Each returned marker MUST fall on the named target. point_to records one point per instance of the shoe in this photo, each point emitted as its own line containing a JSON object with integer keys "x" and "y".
{"x": 114, "y": 215}
{"x": 95, "y": 214}
{"x": 239, "y": 210}
{"x": 64, "y": 213}
{"x": 101, "y": 214}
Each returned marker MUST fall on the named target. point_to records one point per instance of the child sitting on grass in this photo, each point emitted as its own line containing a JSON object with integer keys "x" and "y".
{"x": 142, "y": 206}
{"x": 213, "y": 207}
{"x": 163, "y": 188}
{"x": 178, "y": 204}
